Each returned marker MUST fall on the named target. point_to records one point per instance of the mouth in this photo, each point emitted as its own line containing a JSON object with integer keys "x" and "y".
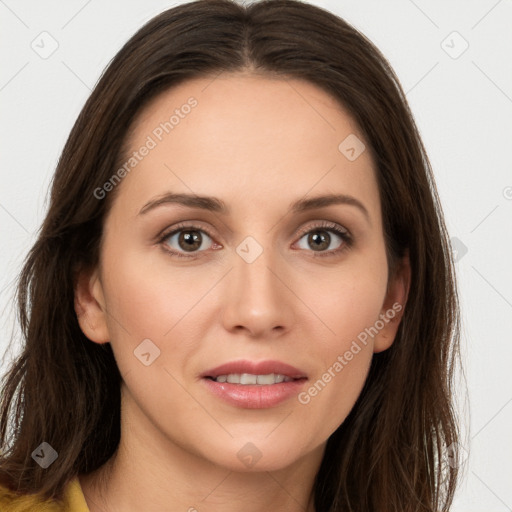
{"x": 254, "y": 385}
{"x": 254, "y": 372}
{"x": 248, "y": 378}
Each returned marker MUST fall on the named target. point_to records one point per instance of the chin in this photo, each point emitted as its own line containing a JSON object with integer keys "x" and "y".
{"x": 253, "y": 455}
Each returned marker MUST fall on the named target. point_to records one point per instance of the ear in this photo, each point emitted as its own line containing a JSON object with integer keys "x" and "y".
{"x": 394, "y": 304}
{"x": 90, "y": 306}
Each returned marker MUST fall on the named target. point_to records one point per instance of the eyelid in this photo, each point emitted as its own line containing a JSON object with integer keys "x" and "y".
{"x": 182, "y": 226}
{"x": 323, "y": 224}
{"x": 338, "y": 229}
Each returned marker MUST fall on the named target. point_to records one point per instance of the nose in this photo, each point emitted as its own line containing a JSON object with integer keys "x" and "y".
{"x": 258, "y": 297}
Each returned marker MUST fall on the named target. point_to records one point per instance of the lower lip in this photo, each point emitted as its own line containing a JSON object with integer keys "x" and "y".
{"x": 254, "y": 396}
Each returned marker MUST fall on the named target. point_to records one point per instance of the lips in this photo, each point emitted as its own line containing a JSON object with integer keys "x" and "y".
{"x": 255, "y": 368}
{"x": 233, "y": 383}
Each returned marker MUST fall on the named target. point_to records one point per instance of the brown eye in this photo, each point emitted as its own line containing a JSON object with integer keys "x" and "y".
{"x": 188, "y": 239}
{"x": 320, "y": 239}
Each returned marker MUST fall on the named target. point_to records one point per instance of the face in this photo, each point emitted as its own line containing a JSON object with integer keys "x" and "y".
{"x": 218, "y": 251}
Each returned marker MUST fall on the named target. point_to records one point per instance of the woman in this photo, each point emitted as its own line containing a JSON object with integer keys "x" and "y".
{"x": 242, "y": 293}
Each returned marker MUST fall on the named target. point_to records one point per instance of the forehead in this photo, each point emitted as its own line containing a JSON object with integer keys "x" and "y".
{"x": 246, "y": 138}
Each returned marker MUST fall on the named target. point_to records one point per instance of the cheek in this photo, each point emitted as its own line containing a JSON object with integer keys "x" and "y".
{"x": 149, "y": 299}
{"x": 349, "y": 305}
{"x": 331, "y": 395}
{"x": 348, "y": 299}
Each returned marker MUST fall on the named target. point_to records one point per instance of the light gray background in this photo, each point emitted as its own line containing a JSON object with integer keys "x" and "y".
{"x": 462, "y": 105}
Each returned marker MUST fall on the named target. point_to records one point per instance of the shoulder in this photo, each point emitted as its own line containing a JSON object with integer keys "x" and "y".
{"x": 12, "y": 502}
{"x": 74, "y": 501}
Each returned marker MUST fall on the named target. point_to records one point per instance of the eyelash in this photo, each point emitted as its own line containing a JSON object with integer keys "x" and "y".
{"x": 321, "y": 225}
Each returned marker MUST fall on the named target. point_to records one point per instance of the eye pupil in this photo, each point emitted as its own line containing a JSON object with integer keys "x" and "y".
{"x": 319, "y": 239}
{"x": 190, "y": 241}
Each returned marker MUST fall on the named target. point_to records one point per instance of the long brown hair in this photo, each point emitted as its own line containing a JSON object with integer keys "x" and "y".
{"x": 390, "y": 454}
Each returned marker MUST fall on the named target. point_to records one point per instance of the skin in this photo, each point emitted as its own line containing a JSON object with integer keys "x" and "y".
{"x": 258, "y": 144}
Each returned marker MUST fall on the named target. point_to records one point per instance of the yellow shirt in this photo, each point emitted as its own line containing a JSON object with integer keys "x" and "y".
{"x": 74, "y": 501}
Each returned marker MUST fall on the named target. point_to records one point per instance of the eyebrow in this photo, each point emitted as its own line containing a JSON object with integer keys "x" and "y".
{"x": 216, "y": 205}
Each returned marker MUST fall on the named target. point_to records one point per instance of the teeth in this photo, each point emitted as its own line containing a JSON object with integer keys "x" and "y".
{"x": 268, "y": 379}
{"x": 249, "y": 378}
{"x": 233, "y": 378}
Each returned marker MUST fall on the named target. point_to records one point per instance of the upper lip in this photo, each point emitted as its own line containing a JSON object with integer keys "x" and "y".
{"x": 255, "y": 368}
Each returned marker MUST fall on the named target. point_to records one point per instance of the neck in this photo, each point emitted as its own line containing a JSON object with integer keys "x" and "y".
{"x": 150, "y": 472}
